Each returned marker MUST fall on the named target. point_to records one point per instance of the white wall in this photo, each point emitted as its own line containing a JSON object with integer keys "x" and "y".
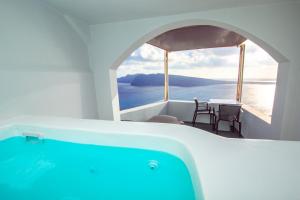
{"x": 44, "y": 62}
{"x": 183, "y": 110}
{"x": 143, "y": 113}
{"x": 44, "y": 59}
{"x": 274, "y": 27}
{"x": 254, "y": 124}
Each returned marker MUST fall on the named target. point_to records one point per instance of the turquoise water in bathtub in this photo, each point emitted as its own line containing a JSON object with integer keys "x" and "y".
{"x": 55, "y": 170}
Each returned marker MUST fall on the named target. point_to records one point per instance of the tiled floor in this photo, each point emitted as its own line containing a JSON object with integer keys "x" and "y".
{"x": 208, "y": 128}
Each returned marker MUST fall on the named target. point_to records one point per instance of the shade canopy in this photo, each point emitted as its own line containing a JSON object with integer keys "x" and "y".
{"x": 196, "y": 37}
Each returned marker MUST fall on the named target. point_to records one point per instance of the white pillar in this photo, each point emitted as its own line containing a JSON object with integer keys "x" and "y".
{"x": 240, "y": 73}
{"x": 166, "y": 70}
{"x": 107, "y": 93}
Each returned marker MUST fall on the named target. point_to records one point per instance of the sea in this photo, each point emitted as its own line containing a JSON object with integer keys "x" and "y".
{"x": 258, "y": 95}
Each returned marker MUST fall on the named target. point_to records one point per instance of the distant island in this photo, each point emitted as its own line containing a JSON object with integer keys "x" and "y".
{"x": 143, "y": 80}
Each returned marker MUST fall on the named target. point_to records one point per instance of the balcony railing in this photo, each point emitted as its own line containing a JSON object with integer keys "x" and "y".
{"x": 255, "y": 124}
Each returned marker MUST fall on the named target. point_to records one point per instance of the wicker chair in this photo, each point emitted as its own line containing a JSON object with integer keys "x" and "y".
{"x": 202, "y": 108}
{"x": 229, "y": 113}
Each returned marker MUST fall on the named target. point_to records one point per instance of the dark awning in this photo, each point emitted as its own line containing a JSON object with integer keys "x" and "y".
{"x": 196, "y": 37}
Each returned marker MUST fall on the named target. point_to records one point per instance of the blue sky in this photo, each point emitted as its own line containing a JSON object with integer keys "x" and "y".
{"x": 215, "y": 63}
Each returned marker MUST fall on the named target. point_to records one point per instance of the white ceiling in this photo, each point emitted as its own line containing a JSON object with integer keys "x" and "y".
{"x": 102, "y": 11}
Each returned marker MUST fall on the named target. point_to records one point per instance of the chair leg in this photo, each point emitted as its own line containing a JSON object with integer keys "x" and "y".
{"x": 217, "y": 126}
{"x": 211, "y": 121}
{"x": 240, "y": 129}
{"x": 214, "y": 122}
{"x": 194, "y": 118}
{"x": 232, "y": 128}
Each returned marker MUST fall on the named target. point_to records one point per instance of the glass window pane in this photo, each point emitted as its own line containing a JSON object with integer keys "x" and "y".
{"x": 142, "y": 65}
{"x": 260, "y": 74}
{"x": 208, "y": 73}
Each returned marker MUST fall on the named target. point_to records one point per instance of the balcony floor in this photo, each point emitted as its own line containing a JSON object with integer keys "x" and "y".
{"x": 208, "y": 128}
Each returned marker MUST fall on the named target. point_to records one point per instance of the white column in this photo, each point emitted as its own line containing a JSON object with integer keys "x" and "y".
{"x": 240, "y": 73}
{"x": 107, "y": 93}
{"x": 166, "y": 70}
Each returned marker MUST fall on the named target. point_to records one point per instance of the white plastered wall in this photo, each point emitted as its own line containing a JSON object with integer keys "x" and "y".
{"x": 275, "y": 27}
{"x": 44, "y": 62}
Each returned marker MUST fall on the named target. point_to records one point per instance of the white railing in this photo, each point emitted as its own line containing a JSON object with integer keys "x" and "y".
{"x": 254, "y": 124}
{"x": 145, "y": 112}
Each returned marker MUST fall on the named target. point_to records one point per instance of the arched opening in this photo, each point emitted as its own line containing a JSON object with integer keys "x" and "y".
{"x": 279, "y": 57}
{"x": 140, "y": 77}
{"x": 273, "y": 53}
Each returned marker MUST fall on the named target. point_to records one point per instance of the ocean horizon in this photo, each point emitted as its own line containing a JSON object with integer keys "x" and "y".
{"x": 257, "y": 94}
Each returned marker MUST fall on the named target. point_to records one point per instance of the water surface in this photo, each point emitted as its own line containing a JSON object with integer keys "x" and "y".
{"x": 50, "y": 170}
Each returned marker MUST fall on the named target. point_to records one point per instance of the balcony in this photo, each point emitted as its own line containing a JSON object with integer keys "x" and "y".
{"x": 255, "y": 124}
